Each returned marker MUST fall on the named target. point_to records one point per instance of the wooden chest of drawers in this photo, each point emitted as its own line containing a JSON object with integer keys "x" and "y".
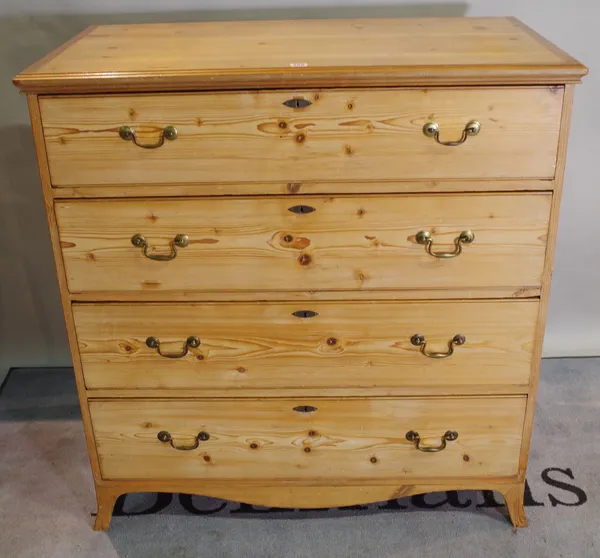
{"x": 305, "y": 277}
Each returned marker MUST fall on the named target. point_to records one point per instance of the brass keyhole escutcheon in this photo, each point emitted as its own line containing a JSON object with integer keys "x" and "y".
{"x": 297, "y": 102}
{"x": 304, "y": 314}
{"x": 305, "y": 409}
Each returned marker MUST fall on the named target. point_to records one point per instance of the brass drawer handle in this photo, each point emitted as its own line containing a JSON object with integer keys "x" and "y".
{"x": 432, "y": 130}
{"x": 165, "y": 437}
{"x": 449, "y": 436}
{"x": 418, "y": 340}
{"x": 154, "y": 343}
{"x": 127, "y": 133}
{"x": 465, "y": 237}
{"x": 180, "y": 241}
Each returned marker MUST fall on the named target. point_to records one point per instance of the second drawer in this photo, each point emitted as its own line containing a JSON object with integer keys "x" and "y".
{"x": 324, "y": 345}
{"x": 302, "y": 244}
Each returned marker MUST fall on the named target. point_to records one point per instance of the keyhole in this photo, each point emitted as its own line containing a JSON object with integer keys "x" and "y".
{"x": 301, "y": 209}
{"x": 304, "y": 314}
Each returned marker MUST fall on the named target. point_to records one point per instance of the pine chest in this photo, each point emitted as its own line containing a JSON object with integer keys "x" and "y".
{"x": 305, "y": 277}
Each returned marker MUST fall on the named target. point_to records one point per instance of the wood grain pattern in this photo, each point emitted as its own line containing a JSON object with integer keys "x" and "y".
{"x": 458, "y": 293}
{"x": 343, "y": 135}
{"x": 416, "y": 390}
{"x": 343, "y": 441}
{"x": 303, "y": 496}
{"x": 514, "y": 497}
{"x": 297, "y": 188}
{"x": 264, "y": 346}
{"x": 106, "y": 499}
{"x": 192, "y": 486}
{"x": 547, "y": 278}
{"x": 41, "y": 63}
{"x": 42, "y": 162}
{"x": 345, "y": 244}
{"x": 371, "y": 52}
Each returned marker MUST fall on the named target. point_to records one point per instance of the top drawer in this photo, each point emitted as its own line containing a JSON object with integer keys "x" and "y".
{"x": 340, "y": 135}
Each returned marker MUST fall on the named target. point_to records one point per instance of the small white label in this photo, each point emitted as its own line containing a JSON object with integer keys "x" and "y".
{"x": 299, "y": 64}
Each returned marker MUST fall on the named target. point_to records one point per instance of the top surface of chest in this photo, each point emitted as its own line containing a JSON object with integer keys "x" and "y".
{"x": 309, "y": 53}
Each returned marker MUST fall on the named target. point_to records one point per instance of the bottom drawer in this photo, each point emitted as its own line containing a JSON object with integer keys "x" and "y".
{"x": 315, "y": 441}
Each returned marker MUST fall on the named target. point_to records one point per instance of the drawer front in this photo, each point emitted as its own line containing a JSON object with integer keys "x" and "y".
{"x": 342, "y": 135}
{"x": 346, "y": 243}
{"x": 353, "y": 439}
{"x": 272, "y": 346}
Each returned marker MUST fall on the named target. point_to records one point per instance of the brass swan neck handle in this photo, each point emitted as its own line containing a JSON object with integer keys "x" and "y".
{"x": 190, "y": 342}
{"x": 164, "y": 436}
{"x": 127, "y": 133}
{"x": 418, "y": 340}
{"x": 432, "y": 130}
{"x": 448, "y": 436}
{"x": 425, "y": 238}
{"x": 180, "y": 241}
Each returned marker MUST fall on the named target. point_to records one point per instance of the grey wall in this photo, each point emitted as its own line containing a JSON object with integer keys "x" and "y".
{"x": 31, "y": 323}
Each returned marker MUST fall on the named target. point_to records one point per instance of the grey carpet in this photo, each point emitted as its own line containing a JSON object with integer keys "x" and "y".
{"x": 47, "y": 498}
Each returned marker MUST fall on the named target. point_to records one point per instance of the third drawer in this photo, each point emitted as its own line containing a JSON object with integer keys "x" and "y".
{"x": 318, "y": 345}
